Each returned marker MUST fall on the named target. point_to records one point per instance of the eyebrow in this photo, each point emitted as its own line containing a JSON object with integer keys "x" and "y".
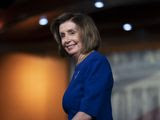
{"x": 70, "y": 30}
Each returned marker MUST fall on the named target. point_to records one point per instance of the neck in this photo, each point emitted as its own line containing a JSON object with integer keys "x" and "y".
{"x": 79, "y": 58}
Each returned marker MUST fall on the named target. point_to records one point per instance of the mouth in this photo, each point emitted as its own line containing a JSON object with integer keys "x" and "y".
{"x": 70, "y": 46}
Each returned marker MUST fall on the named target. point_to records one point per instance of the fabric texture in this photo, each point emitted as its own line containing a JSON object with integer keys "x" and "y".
{"x": 90, "y": 88}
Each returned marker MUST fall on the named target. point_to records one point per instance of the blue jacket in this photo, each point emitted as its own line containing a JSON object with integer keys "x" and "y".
{"x": 90, "y": 89}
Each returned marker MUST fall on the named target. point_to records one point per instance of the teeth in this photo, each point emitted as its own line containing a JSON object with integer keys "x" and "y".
{"x": 69, "y": 46}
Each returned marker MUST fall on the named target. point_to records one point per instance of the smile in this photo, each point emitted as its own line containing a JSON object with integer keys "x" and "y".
{"x": 70, "y": 46}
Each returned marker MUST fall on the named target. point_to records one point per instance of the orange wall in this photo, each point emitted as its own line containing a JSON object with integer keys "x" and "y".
{"x": 31, "y": 87}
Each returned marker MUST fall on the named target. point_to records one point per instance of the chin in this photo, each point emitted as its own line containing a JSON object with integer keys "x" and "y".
{"x": 72, "y": 52}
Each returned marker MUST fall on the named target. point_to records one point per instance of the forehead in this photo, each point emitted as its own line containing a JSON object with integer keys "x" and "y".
{"x": 68, "y": 25}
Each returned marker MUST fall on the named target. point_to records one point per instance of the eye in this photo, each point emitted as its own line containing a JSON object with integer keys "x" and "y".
{"x": 72, "y": 32}
{"x": 62, "y": 35}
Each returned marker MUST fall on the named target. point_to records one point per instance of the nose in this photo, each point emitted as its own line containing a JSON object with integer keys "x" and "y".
{"x": 67, "y": 39}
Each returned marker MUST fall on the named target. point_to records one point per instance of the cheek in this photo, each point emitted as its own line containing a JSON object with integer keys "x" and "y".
{"x": 81, "y": 46}
{"x": 80, "y": 41}
{"x": 62, "y": 42}
{"x": 79, "y": 38}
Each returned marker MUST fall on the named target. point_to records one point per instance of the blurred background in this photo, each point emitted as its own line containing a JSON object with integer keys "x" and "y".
{"x": 33, "y": 77}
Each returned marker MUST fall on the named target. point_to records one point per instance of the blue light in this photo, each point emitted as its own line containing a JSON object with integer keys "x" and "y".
{"x": 127, "y": 27}
{"x": 99, "y": 4}
{"x": 43, "y": 21}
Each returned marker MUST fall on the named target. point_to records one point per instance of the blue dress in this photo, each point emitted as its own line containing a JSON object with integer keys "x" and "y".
{"x": 90, "y": 89}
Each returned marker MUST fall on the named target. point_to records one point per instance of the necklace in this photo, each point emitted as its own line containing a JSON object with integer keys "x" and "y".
{"x": 83, "y": 57}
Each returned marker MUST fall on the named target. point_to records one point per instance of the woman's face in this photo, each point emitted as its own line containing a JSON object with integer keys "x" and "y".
{"x": 70, "y": 36}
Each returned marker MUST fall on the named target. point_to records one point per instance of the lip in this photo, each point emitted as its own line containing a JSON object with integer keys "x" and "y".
{"x": 68, "y": 46}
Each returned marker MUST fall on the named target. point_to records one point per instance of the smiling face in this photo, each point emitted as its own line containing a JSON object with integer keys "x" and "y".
{"x": 70, "y": 38}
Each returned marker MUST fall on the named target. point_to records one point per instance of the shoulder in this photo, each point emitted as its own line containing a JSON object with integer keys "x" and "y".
{"x": 94, "y": 60}
{"x": 96, "y": 57}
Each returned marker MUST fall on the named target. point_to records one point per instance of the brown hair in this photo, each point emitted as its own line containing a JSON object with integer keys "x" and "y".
{"x": 89, "y": 33}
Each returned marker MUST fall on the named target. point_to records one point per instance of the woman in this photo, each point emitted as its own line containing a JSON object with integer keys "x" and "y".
{"x": 88, "y": 96}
